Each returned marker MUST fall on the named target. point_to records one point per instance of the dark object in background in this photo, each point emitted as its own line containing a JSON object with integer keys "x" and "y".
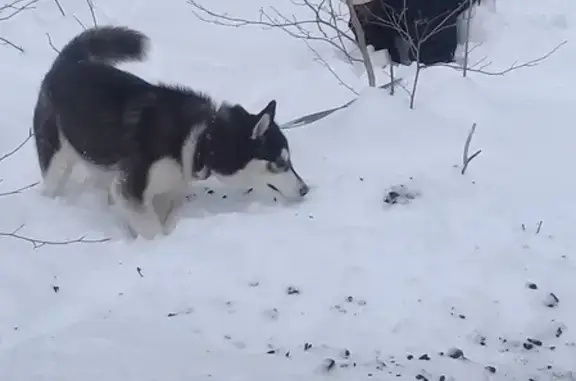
{"x": 434, "y": 22}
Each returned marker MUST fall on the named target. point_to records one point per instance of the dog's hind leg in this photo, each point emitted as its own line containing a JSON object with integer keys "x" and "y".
{"x": 55, "y": 157}
{"x": 58, "y": 173}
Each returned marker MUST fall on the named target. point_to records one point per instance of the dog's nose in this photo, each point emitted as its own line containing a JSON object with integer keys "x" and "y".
{"x": 304, "y": 189}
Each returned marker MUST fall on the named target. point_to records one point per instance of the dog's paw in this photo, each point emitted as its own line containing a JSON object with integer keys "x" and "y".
{"x": 171, "y": 220}
{"x": 50, "y": 192}
{"x": 170, "y": 224}
{"x": 168, "y": 207}
{"x": 147, "y": 228}
{"x": 144, "y": 223}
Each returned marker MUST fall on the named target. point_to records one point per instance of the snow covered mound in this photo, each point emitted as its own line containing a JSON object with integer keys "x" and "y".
{"x": 396, "y": 266}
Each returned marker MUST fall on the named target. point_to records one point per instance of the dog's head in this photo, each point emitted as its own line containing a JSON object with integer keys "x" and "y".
{"x": 252, "y": 150}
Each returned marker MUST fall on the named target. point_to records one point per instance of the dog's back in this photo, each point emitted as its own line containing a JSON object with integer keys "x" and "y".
{"x": 83, "y": 87}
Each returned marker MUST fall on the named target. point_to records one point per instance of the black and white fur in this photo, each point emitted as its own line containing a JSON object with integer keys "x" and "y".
{"x": 144, "y": 140}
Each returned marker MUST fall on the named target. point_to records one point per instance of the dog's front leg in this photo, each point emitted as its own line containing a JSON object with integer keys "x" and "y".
{"x": 169, "y": 208}
{"x": 134, "y": 202}
{"x": 141, "y": 217}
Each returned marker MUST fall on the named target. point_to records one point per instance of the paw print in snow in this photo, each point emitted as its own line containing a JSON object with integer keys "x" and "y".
{"x": 400, "y": 194}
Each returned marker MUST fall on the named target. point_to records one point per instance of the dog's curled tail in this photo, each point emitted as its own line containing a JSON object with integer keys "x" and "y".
{"x": 105, "y": 44}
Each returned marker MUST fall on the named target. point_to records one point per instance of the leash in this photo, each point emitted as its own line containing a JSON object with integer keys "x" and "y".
{"x": 311, "y": 118}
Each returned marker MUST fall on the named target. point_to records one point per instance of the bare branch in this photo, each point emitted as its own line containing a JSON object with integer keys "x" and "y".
{"x": 443, "y": 21}
{"x": 90, "y": 4}
{"x": 18, "y": 148}
{"x": 335, "y": 17}
{"x": 467, "y": 42}
{"x": 60, "y": 8}
{"x": 362, "y": 44}
{"x": 323, "y": 62}
{"x": 513, "y": 67}
{"x": 52, "y": 44}
{"x": 92, "y": 10}
{"x": 38, "y": 243}
{"x": 19, "y": 190}
{"x": 466, "y": 159}
{"x": 415, "y": 82}
{"x": 321, "y": 27}
{"x": 79, "y": 22}
{"x": 14, "y": 8}
{"x": 10, "y": 10}
{"x": 10, "y": 43}
{"x": 11, "y": 153}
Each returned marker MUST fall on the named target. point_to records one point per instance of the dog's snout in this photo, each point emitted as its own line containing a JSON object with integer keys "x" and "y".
{"x": 304, "y": 189}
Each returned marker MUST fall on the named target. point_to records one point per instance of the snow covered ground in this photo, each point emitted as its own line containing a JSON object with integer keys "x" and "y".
{"x": 249, "y": 289}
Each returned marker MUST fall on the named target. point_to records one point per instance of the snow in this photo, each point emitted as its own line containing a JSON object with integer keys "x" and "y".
{"x": 449, "y": 269}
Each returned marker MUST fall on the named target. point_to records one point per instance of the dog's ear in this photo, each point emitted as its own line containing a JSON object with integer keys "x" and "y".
{"x": 270, "y": 109}
{"x": 266, "y": 118}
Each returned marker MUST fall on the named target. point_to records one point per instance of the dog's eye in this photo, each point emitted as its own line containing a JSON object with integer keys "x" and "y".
{"x": 281, "y": 163}
{"x": 278, "y": 166}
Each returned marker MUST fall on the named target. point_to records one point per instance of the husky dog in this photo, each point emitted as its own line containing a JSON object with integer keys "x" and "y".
{"x": 147, "y": 140}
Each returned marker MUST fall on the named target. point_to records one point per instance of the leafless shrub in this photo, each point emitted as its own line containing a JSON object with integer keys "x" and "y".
{"x": 416, "y": 33}
{"x": 327, "y": 25}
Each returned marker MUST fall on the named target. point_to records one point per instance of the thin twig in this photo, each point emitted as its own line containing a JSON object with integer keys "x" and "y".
{"x": 10, "y": 10}
{"x": 323, "y": 62}
{"x": 12, "y": 44}
{"x": 52, "y": 44}
{"x": 539, "y": 227}
{"x": 467, "y": 41}
{"x": 465, "y": 158}
{"x": 19, "y": 190}
{"x": 38, "y": 243}
{"x": 14, "y": 8}
{"x": 12, "y": 153}
{"x": 60, "y": 8}
{"x": 335, "y": 17}
{"x": 393, "y": 87}
{"x": 92, "y": 12}
{"x": 79, "y": 22}
{"x": 513, "y": 67}
{"x": 18, "y": 148}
